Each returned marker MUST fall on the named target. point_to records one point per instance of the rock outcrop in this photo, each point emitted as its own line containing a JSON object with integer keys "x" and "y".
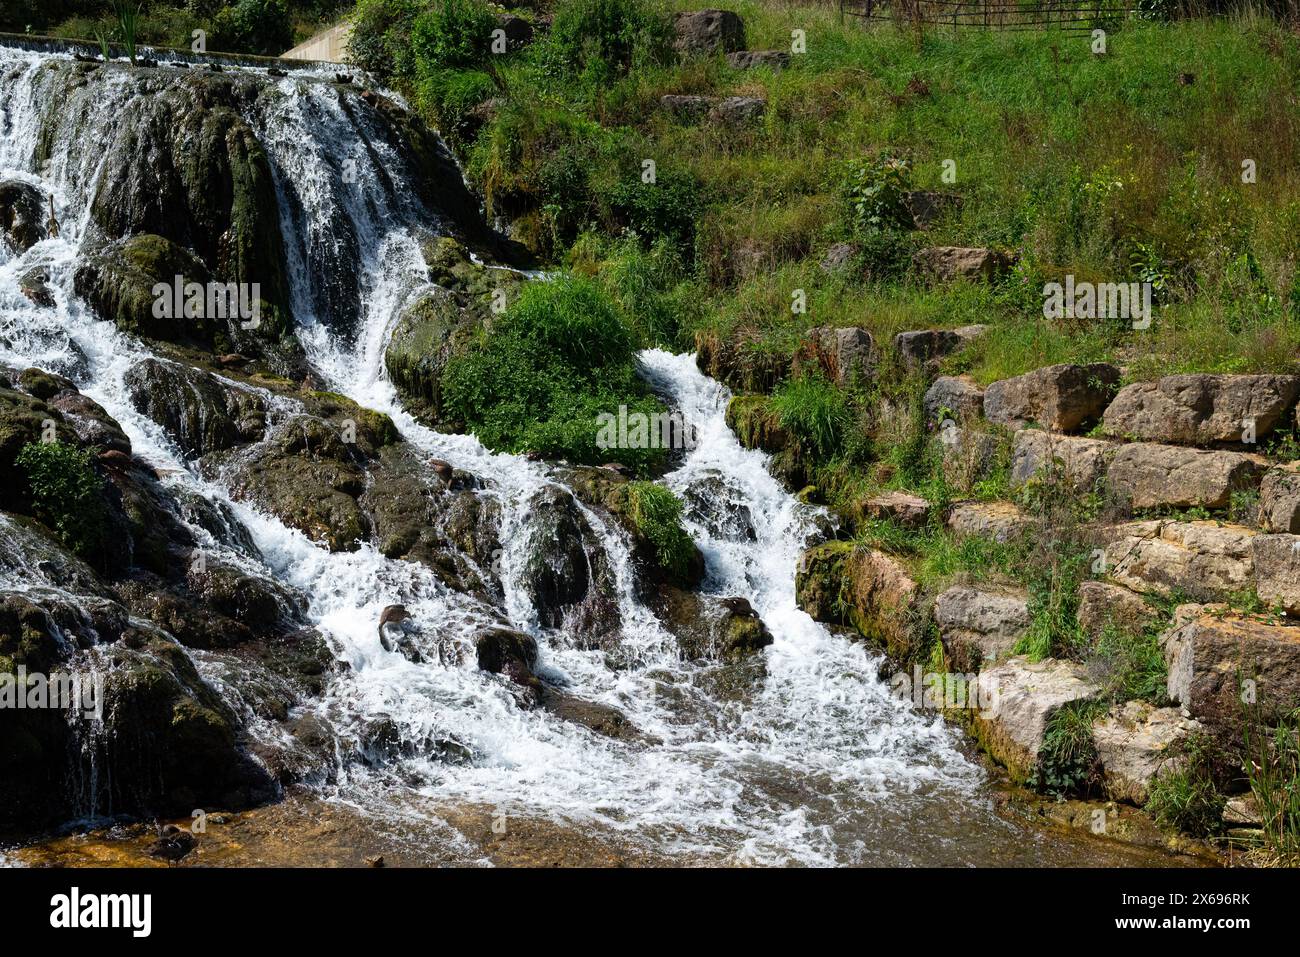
{"x": 1060, "y": 398}
{"x": 1202, "y": 409}
{"x": 842, "y": 584}
{"x": 1147, "y": 475}
{"x": 1205, "y": 560}
{"x": 980, "y": 626}
{"x": 947, "y": 263}
{"x": 1136, "y": 743}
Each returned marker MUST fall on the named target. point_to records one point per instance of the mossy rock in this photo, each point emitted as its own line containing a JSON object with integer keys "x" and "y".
{"x": 841, "y": 583}
{"x": 425, "y": 337}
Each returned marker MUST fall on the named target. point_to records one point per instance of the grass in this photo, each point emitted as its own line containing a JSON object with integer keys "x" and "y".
{"x": 1272, "y": 765}
{"x": 657, "y": 515}
{"x": 1067, "y": 760}
{"x": 1185, "y": 798}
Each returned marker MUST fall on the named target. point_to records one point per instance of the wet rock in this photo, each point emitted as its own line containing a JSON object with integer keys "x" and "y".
{"x": 1220, "y": 666}
{"x": 35, "y": 285}
{"x": 90, "y": 421}
{"x": 1137, "y": 742}
{"x": 708, "y": 31}
{"x": 22, "y": 421}
{"x": 953, "y": 397}
{"x": 774, "y": 60}
{"x": 1202, "y": 409}
{"x": 1279, "y": 499}
{"x": 42, "y": 384}
{"x": 1204, "y": 560}
{"x": 720, "y": 507}
{"x": 902, "y": 507}
{"x": 426, "y": 336}
{"x": 1152, "y": 476}
{"x": 118, "y": 279}
{"x": 1000, "y": 521}
{"x": 923, "y": 348}
{"x": 743, "y": 631}
{"x": 948, "y": 263}
{"x": 1060, "y": 398}
{"x": 979, "y": 626}
{"x": 502, "y": 651}
{"x": 557, "y": 570}
{"x": 602, "y": 719}
{"x": 200, "y": 412}
{"x": 1082, "y": 463}
{"x": 1020, "y": 697}
{"x": 1102, "y": 604}
{"x": 842, "y": 584}
{"x": 22, "y": 214}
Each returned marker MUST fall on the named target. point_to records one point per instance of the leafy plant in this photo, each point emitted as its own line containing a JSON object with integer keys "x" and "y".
{"x": 874, "y": 191}
{"x": 1067, "y": 761}
{"x": 1186, "y": 798}
{"x": 657, "y": 514}
{"x": 602, "y": 38}
{"x": 261, "y": 27}
{"x": 66, "y": 494}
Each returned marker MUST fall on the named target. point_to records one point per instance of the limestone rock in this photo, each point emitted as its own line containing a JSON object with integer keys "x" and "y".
{"x": 1000, "y": 521}
{"x": 844, "y": 353}
{"x": 902, "y": 507}
{"x": 946, "y": 263}
{"x": 1101, "y": 603}
{"x": 1277, "y": 570}
{"x": 1082, "y": 462}
{"x": 1202, "y": 409}
{"x": 738, "y": 110}
{"x": 708, "y": 31}
{"x": 923, "y": 348}
{"x": 774, "y": 60}
{"x": 1136, "y": 743}
{"x": 1205, "y": 560}
{"x": 1279, "y": 499}
{"x": 1018, "y": 698}
{"x": 1210, "y": 658}
{"x": 842, "y": 584}
{"x": 22, "y": 214}
{"x": 1151, "y": 476}
{"x": 978, "y": 626}
{"x": 957, "y": 397}
{"x": 1059, "y": 398}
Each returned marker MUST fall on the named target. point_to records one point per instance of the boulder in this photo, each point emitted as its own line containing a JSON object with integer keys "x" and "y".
{"x": 687, "y": 107}
{"x": 503, "y": 651}
{"x": 1146, "y": 475}
{"x": 738, "y": 110}
{"x": 1000, "y": 521}
{"x": 91, "y": 422}
{"x": 838, "y": 257}
{"x": 979, "y": 626}
{"x": 901, "y": 507}
{"x": 955, "y": 397}
{"x": 557, "y": 570}
{"x": 948, "y": 263}
{"x": 1060, "y": 398}
{"x": 1279, "y": 499}
{"x": 1213, "y": 659}
{"x": 922, "y": 348}
{"x": 1277, "y": 570}
{"x": 840, "y": 583}
{"x": 774, "y": 60}
{"x": 34, "y": 284}
{"x": 843, "y": 353}
{"x": 968, "y": 454}
{"x": 1202, "y": 409}
{"x": 518, "y": 31}
{"x": 427, "y": 334}
{"x": 199, "y": 411}
{"x": 1204, "y": 560}
{"x": 1080, "y": 462}
{"x": 708, "y": 31}
{"x": 22, "y": 214}
{"x": 1136, "y": 742}
{"x": 1102, "y": 604}
{"x": 1018, "y": 698}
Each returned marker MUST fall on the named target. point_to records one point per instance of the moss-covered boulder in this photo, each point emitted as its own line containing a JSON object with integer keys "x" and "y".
{"x": 424, "y": 338}
{"x": 845, "y": 584}
{"x": 200, "y": 412}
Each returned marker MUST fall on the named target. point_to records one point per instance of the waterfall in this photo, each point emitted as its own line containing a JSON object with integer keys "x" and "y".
{"x": 816, "y": 763}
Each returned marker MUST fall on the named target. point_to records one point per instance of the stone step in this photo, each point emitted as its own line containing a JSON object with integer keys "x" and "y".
{"x": 1208, "y": 561}
{"x": 980, "y": 625}
{"x": 1203, "y": 409}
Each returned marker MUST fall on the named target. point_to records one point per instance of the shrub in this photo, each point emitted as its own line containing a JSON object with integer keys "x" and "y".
{"x": 657, "y": 514}
{"x": 559, "y": 357}
{"x": 380, "y": 40}
{"x": 261, "y": 27}
{"x": 602, "y": 38}
{"x": 664, "y": 209}
{"x": 453, "y": 34}
{"x": 874, "y": 193}
{"x": 1067, "y": 761}
{"x": 66, "y": 494}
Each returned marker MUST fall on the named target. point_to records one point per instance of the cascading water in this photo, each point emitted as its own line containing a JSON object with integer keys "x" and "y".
{"x": 817, "y": 763}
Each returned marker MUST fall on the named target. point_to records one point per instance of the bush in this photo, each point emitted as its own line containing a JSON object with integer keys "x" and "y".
{"x": 874, "y": 193}
{"x": 453, "y": 34}
{"x": 1067, "y": 761}
{"x": 559, "y": 357}
{"x": 664, "y": 209}
{"x": 380, "y": 40}
{"x": 66, "y": 494}
{"x": 260, "y": 27}
{"x": 657, "y": 514}
{"x": 1186, "y": 799}
{"x": 602, "y": 38}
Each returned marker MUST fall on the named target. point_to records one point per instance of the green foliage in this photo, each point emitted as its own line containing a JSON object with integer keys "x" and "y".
{"x": 261, "y": 27}
{"x": 538, "y": 380}
{"x": 665, "y": 209}
{"x": 381, "y": 37}
{"x": 657, "y": 515}
{"x": 1067, "y": 761}
{"x": 602, "y": 39}
{"x": 1134, "y": 663}
{"x": 66, "y": 494}
{"x": 452, "y": 34}
{"x": 874, "y": 194}
{"x": 815, "y": 411}
{"x": 1272, "y": 765}
{"x": 1185, "y": 798}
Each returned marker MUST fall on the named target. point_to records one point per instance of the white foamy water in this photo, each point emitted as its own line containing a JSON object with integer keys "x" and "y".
{"x": 815, "y": 764}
